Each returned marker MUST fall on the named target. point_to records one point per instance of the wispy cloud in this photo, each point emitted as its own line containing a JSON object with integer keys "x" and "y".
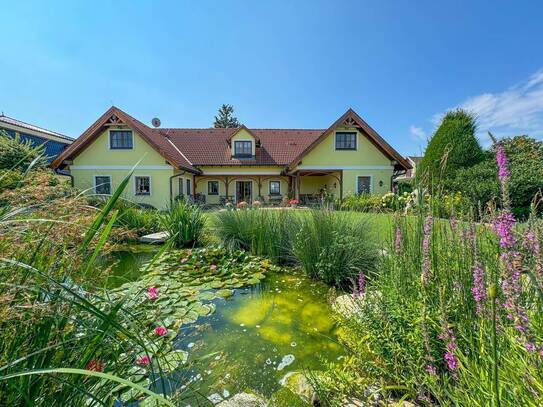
{"x": 516, "y": 110}
{"x": 418, "y": 133}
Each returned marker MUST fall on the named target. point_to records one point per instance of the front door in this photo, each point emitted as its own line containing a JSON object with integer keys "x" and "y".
{"x": 243, "y": 191}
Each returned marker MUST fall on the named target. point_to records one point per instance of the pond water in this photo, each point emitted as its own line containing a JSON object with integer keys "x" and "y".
{"x": 254, "y": 338}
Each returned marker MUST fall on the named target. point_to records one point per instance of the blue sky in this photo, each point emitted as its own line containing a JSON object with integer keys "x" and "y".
{"x": 293, "y": 64}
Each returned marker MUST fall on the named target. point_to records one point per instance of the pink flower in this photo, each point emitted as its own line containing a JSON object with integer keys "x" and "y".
{"x": 161, "y": 330}
{"x": 152, "y": 293}
{"x": 184, "y": 260}
{"x": 189, "y": 252}
{"x": 213, "y": 267}
{"x": 144, "y": 360}
{"x": 503, "y": 163}
{"x": 452, "y": 362}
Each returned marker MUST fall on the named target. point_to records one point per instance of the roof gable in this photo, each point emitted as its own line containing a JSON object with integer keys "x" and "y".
{"x": 115, "y": 117}
{"x": 351, "y": 119}
{"x": 238, "y": 131}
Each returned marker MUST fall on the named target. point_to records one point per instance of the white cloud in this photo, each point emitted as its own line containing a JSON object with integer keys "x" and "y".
{"x": 516, "y": 110}
{"x": 417, "y": 132}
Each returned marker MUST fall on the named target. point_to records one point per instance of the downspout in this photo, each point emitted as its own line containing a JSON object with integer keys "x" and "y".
{"x": 58, "y": 172}
{"x": 171, "y": 186}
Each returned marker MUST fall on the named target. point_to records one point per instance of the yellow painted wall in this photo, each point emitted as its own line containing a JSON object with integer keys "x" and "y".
{"x": 244, "y": 135}
{"x": 99, "y": 155}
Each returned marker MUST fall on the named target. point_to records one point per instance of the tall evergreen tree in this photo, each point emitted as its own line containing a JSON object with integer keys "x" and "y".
{"x": 452, "y": 147}
{"x": 225, "y": 118}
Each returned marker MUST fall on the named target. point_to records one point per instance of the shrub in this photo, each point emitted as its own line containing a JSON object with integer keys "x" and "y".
{"x": 334, "y": 247}
{"x": 185, "y": 223}
{"x": 17, "y": 154}
{"x": 362, "y": 203}
{"x": 141, "y": 221}
{"x": 262, "y": 232}
{"x": 452, "y": 147}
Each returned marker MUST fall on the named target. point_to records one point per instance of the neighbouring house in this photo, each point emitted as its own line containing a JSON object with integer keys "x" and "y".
{"x": 53, "y": 142}
{"x": 410, "y": 174}
{"x": 233, "y": 164}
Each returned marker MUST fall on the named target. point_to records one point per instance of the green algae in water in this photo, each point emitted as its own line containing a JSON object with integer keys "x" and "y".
{"x": 262, "y": 333}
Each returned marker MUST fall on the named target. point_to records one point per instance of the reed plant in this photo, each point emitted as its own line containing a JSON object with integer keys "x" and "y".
{"x": 184, "y": 222}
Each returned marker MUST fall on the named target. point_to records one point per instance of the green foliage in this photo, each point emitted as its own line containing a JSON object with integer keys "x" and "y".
{"x": 452, "y": 147}
{"x": 141, "y": 221}
{"x": 185, "y": 223}
{"x": 10, "y": 179}
{"x": 17, "y": 154}
{"x": 362, "y": 203}
{"x": 334, "y": 247}
{"x": 225, "y": 118}
{"x": 260, "y": 231}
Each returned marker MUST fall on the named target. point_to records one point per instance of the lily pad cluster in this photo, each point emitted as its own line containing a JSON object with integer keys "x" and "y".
{"x": 181, "y": 287}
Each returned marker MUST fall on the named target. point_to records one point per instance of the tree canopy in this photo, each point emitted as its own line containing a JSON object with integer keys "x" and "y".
{"x": 18, "y": 154}
{"x": 225, "y": 118}
{"x": 452, "y": 147}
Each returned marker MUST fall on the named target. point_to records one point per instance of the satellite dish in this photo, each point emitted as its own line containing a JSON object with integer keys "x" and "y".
{"x": 156, "y": 122}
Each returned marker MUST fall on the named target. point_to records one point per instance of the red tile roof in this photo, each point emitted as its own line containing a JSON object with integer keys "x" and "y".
{"x": 210, "y": 146}
{"x": 190, "y": 148}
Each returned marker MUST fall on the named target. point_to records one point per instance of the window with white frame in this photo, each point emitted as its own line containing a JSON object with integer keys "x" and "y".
{"x": 142, "y": 185}
{"x": 364, "y": 184}
{"x": 243, "y": 149}
{"x": 102, "y": 184}
{"x": 213, "y": 187}
{"x": 275, "y": 187}
{"x": 345, "y": 140}
{"x": 121, "y": 139}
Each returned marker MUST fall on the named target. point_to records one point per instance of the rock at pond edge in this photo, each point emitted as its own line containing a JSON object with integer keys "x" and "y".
{"x": 243, "y": 400}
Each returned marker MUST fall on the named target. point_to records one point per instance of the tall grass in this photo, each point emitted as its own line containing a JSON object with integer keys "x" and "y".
{"x": 451, "y": 317}
{"x": 61, "y": 344}
{"x": 262, "y": 232}
{"x": 184, "y": 222}
{"x": 334, "y": 247}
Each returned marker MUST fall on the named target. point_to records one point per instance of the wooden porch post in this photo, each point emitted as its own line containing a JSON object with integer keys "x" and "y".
{"x": 341, "y": 186}
{"x": 259, "y": 187}
{"x": 226, "y": 187}
{"x": 297, "y": 187}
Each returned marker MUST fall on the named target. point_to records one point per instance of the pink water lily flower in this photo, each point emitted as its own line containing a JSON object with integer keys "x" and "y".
{"x": 161, "y": 330}
{"x": 152, "y": 293}
{"x": 184, "y": 260}
{"x": 144, "y": 360}
{"x": 213, "y": 267}
{"x": 189, "y": 252}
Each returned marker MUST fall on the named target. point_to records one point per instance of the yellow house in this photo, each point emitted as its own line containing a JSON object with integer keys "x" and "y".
{"x": 216, "y": 166}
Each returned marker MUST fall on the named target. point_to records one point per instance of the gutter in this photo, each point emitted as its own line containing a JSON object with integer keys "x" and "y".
{"x": 65, "y": 174}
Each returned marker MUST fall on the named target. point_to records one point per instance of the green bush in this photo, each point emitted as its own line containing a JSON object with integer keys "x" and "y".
{"x": 185, "y": 224}
{"x": 16, "y": 154}
{"x": 262, "y": 232}
{"x": 142, "y": 221}
{"x": 452, "y": 147}
{"x": 334, "y": 247}
{"x": 10, "y": 179}
{"x": 362, "y": 203}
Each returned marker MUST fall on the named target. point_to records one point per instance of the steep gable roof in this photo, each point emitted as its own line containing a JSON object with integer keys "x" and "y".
{"x": 351, "y": 119}
{"x": 114, "y": 116}
{"x": 237, "y": 130}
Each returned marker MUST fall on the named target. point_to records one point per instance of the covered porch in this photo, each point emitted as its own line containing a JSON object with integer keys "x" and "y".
{"x": 312, "y": 186}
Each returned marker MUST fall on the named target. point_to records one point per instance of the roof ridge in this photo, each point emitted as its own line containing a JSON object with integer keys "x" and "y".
{"x": 23, "y": 123}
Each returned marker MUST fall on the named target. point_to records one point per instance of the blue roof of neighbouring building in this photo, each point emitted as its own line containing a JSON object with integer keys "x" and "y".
{"x": 54, "y": 142}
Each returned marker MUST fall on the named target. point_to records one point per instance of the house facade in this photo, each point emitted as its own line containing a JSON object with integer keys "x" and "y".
{"x": 231, "y": 165}
{"x": 53, "y": 142}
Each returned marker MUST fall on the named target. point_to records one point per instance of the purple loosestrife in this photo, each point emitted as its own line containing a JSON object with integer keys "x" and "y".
{"x": 503, "y": 163}
{"x": 426, "y": 249}
{"x": 360, "y": 286}
{"x": 503, "y": 227}
{"x": 479, "y": 286}
{"x": 447, "y": 336}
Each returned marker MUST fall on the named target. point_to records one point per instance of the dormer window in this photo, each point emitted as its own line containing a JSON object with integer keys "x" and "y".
{"x": 345, "y": 140}
{"x": 243, "y": 149}
{"x": 121, "y": 140}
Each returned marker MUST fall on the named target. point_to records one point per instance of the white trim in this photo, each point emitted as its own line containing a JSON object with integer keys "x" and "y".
{"x": 256, "y": 172}
{"x": 363, "y": 175}
{"x": 121, "y": 149}
{"x": 345, "y": 167}
{"x": 120, "y": 167}
{"x": 134, "y": 184}
{"x": 44, "y": 135}
{"x": 102, "y": 175}
{"x": 179, "y": 151}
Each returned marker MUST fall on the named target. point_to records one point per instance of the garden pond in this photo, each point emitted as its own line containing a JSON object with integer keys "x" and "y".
{"x": 238, "y": 322}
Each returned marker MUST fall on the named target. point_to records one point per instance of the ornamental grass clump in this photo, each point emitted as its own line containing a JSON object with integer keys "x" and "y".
{"x": 453, "y": 315}
{"x": 185, "y": 224}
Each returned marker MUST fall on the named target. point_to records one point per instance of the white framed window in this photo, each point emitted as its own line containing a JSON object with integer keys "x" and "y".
{"x": 213, "y": 187}
{"x": 243, "y": 149}
{"x": 275, "y": 187}
{"x": 364, "y": 184}
{"x": 142, "y": 185}
{"x": 121, "y": 140}
{"x": 346, "y": 140}
{"x": 102, "y": 184}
